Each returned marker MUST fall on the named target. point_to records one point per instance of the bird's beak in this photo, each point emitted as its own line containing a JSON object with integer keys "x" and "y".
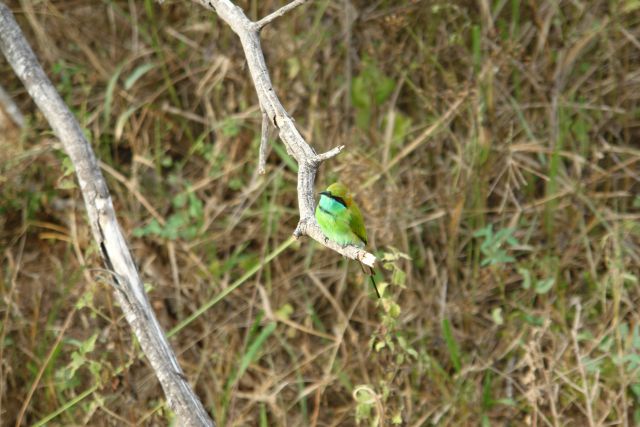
{"x": 325, "y": 193}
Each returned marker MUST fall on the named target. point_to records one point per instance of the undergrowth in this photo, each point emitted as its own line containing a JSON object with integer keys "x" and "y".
{"x": 492, "y": 146}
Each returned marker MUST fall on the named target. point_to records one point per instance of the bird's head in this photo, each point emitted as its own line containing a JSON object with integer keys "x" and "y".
{"x": 338, "y": 192}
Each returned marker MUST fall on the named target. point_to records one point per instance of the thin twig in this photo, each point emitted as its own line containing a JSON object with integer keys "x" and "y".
{"x": 306, "y": 157}
{"x": 129, "y": 290}
{"x": 329, "y": 154}
{"x": 278, "y": 13}
{"x": 264, "y": 144}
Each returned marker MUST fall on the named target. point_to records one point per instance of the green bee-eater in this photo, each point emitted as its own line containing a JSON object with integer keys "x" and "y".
{"x": 341, "y": 220}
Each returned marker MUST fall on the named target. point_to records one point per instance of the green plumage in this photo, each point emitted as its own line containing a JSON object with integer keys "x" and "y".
{"x": 341, "y": 220}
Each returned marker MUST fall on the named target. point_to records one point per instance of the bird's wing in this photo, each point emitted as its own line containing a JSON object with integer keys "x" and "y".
{"x": 357, "y": 223}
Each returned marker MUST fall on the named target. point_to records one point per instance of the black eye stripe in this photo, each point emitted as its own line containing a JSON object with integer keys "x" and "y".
{"x": 339, "y": 200}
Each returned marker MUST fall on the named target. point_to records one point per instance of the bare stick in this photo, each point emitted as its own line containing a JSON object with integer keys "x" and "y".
{"x": 128, "y": 289}
{"x": 307, "y": 159}
{"x": 278, "y": 13}
{"x": 264, "y": 144}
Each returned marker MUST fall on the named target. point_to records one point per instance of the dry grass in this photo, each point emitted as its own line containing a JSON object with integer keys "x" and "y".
{"x": 496, "y": 143}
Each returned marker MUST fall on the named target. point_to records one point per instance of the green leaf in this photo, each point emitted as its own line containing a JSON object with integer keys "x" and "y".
{"x": 526, "y": 277}
{"x": 196, "y": 209}
{"x": 635, "y": 388}
{"x": 383, "y": 89}
{"x": 606, "y": 344}
{"x": 506, "y": 401}
{"x": 230, "y": 127}
{"x": 496, "y": 315}
{"x": 153, "y": 228}
{"x": 254, "y": 348}
{"x": 623, "y": 329}
{"x": 66, "y": 184}
{"x": 86, "y": 300}
{"x": 399, "y": 277}
{"x": 533, "y": 320}
{"x": 285, "y": 311}
{"x": 67, "y": 166}
{"x": 77, "y": 360}
{"x": 264, "y": 421}
{"x": 392, "y": 308}
{"x": 396, "y": 420}
{"x": 108, "y": 97}
{"x": 179, "y": 200}
{"x": 363, "y": 118}
{"x": 635, "y": 338}
{"x": 591, "y": 365}
{"x": 122, "y": 121}
{"x": 236, "y": 183}
{"x": 633, "y": 361}
{"x": 360, "y": 97}
{"x": 412, "y": 352}
{"x": 544, "y": 286}
{"x": 89, "y": 344}
{"x": 401, "y": 126}
{"x": 484, "y": 232}
{"x": 140, "y": 71}
{"x": 364, "y": 394}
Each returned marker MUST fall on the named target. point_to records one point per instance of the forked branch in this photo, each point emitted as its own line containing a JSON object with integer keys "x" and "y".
{"x": 128, "y": 287}
{"x": 308, "y": 160}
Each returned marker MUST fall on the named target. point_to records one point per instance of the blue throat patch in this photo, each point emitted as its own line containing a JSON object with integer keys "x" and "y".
{"x": 330, "y": 206}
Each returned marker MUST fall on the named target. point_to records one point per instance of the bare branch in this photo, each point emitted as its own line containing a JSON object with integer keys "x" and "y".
{"x": 310, "y": 228}
{"x": 129, "y": 291}
{"x": 308, "y": 160}
{"x": 278, "y": 13}
{"x": 264, "y": 144}
{"x": 329, "y": 154}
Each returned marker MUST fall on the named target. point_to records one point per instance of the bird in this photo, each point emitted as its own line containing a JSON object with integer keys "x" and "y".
{"x": 340, "y": 220}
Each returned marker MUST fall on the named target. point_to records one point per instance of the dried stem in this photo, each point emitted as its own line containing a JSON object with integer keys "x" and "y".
{"x": 128, "y": 287}
{"x": 264, "y": 145}
{"x": 308, "y": 160}
{"x": 278, "y": 13}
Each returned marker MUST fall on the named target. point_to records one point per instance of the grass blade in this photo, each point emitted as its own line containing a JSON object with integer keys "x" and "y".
{"x": 452, "y": 345}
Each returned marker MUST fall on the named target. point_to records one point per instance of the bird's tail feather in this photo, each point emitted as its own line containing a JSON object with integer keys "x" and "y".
{"x": 374, "y": 285}
{"x": 369, "y": 271}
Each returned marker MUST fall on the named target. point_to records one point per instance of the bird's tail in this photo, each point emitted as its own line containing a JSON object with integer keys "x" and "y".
{"x": 370, "y": 272}
{"x": 374, "y": 284}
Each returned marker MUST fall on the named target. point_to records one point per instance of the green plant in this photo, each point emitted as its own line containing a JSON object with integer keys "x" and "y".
{"x": 184, "y": 223}
{"x": 493, "y": 245}
{"x": 66, "y": 377}
{"x": 369, "y": 89}
{"x": 541, "y": 286}
{"x": 391, "y": 338}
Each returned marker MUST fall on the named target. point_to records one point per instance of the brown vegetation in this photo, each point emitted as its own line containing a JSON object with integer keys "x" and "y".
{"x": 494, "y": 143}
